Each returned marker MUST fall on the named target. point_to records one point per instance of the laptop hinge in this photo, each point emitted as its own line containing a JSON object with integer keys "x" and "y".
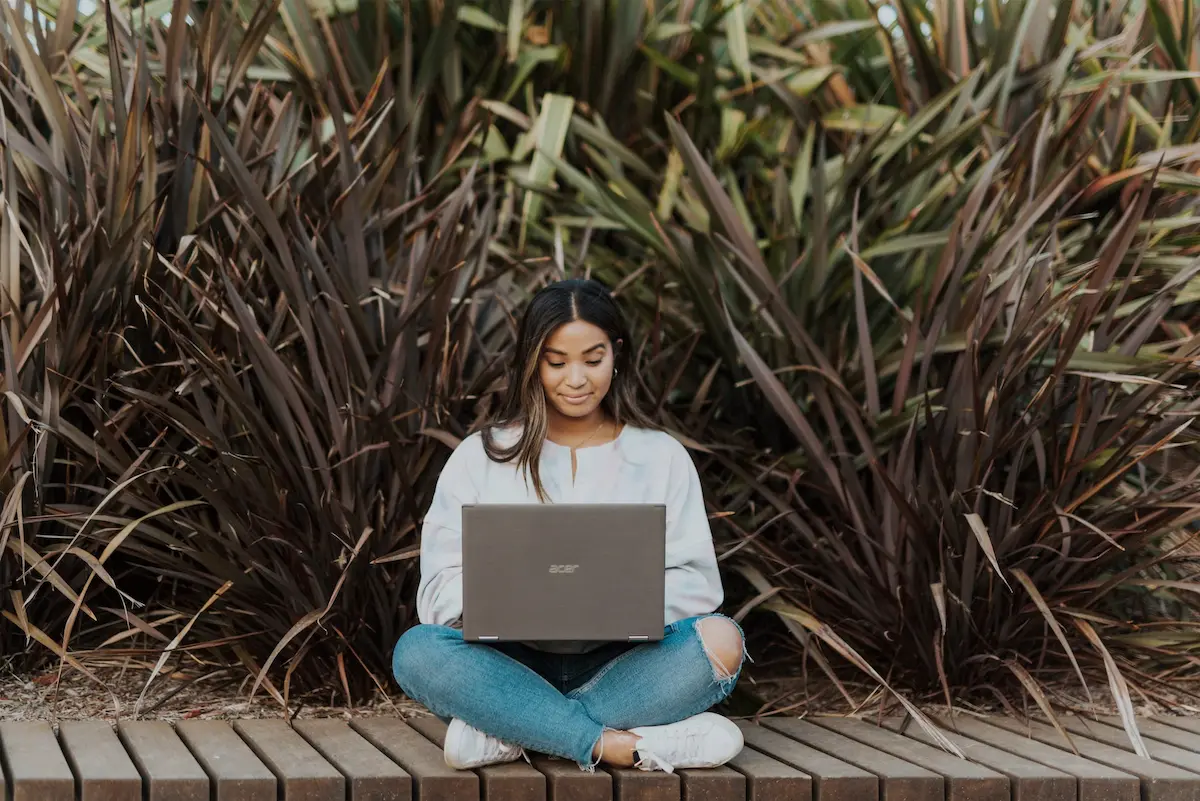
{"x": 639, "y": 636}
{"x": 489, "y": 637}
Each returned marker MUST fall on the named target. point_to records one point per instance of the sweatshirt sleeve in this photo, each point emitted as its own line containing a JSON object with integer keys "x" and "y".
{"x": 693, "y": 583}
{"x": 440, "y": 592}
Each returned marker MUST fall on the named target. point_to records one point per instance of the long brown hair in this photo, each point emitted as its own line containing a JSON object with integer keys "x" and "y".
{"x": 524, "y": 402}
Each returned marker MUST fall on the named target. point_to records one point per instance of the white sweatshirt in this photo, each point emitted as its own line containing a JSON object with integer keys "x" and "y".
{"x": 639, "y": 466}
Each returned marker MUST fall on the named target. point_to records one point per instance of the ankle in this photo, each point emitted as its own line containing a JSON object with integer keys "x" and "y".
{"x": 616, "y": 748}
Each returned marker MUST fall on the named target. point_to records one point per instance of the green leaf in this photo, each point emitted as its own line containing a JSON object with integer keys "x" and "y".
{"x": 599, "y": 136}
{"x": 865, "y": 118}
{"x": 529, "y": 60}
{"x": 732, "y": 120}
{"x": 833, "y": 30}
{"x": 670, "y": 186}
{"x": 735, "y": 34}
{"x": 1128, "y": 77}
{"x": 672, "y": 68}
{"x": 798, "y": 188}
{"x": 805, "y": 82}
{"x": 492, "y": 145}
{"x": 766, "y": 47}
{"x": 668, "y": 30}
{"x": 909, "y": 133}
{"x": 906, "y": 244}
{"x": 478, "y": 18}
{"x": 516, "y": 26}
{"x": 549, "y": 134}
{"x": 1166, "y": 37}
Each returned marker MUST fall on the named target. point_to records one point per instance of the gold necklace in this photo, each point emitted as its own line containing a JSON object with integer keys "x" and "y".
{"x": 589, "y": 437}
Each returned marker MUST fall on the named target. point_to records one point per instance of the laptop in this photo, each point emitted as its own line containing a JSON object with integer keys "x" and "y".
{"x": 563, "y": 572}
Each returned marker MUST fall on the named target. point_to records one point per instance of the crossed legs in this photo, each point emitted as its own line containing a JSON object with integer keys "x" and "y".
{"x": 692, "y": 668}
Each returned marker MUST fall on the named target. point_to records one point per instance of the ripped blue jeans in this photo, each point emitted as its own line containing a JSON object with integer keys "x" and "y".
{"x": 560, "y": 704}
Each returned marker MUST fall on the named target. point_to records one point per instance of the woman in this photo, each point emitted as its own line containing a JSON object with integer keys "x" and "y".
{"x": 570, "y": 431}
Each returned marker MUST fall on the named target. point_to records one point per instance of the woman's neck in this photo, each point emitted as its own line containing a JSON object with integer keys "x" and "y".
{"x": 567, "y": 430}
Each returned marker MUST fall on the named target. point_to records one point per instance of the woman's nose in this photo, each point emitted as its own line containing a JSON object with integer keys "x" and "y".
{"x": 576, "y": 376}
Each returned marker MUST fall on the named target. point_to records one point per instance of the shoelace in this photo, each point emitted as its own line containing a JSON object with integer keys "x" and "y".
{"x": 679, "y": 741}
{"x": 494, "y": 749}
{"x": 650, "y": 761}
{"x": 498, "y": 749}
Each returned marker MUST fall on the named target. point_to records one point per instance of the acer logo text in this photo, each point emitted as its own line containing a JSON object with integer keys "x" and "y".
{"x": 563, "y": 568}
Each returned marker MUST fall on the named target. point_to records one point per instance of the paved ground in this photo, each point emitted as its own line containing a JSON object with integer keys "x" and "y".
{"x": 787, "y": 759}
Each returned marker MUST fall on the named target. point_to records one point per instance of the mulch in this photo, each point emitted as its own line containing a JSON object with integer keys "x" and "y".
{"x": 220, "y": 694}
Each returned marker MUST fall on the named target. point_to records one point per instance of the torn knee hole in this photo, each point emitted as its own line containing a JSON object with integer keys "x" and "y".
{"x": 723, "y": 644}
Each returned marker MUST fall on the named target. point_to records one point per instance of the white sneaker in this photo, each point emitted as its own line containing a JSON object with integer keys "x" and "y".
{"x": 468, "y": 747}
{"x": 706, "y": 740}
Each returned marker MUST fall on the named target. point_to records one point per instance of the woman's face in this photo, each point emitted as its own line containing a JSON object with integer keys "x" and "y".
{"x": 576, "y": 368}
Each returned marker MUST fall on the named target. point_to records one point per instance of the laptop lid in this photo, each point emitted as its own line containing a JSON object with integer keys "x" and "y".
{"x": 563, "y": 572}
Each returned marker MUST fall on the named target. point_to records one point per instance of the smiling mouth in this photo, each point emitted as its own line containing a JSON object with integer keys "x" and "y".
{"x": 576, "y": 399}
